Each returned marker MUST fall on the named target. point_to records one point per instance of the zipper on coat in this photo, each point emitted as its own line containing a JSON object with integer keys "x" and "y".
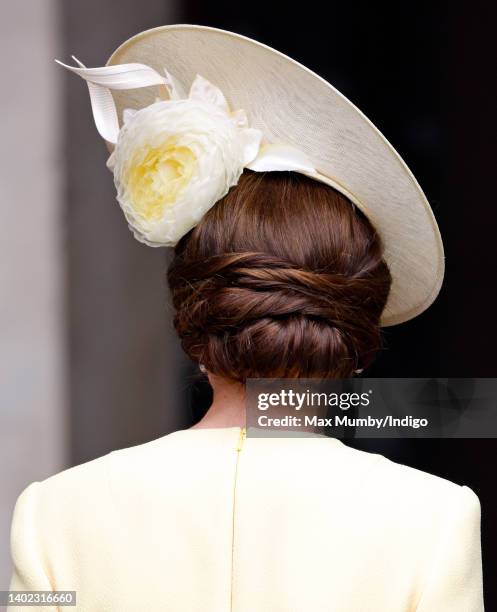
{"x": 241, "y": 439}
{"x": 239, "y": 446}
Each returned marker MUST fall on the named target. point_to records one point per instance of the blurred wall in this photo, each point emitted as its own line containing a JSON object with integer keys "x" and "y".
{"x": 89, "y": 361}
{"x": 33, "y": 407}
{"x": 124, "y": 357}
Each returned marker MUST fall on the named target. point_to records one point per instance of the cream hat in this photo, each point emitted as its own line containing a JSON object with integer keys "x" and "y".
{"x": 250, "y": 106}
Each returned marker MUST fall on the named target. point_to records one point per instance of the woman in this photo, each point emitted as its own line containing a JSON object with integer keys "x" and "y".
{"x": 298, "y": 233}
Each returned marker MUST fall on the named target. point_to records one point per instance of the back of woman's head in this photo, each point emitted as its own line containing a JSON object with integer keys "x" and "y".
{"x": 283, "y": 277}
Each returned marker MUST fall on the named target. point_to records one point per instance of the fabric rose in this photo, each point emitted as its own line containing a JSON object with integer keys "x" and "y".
{"x": 175, "y": 159}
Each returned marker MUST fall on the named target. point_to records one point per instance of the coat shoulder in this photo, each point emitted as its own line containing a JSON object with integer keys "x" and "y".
{"x": 85, "y": 489}
{"x": 403, "y": 491}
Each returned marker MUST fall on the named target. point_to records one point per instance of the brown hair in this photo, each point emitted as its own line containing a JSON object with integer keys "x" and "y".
{"x": 283, "y": 277}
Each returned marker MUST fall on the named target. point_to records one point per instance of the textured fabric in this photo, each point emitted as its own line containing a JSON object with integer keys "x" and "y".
{"x": 188, "y": 523}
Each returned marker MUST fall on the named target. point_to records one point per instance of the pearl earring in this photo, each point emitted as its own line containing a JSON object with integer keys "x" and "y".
{"x": 202, "y": 368}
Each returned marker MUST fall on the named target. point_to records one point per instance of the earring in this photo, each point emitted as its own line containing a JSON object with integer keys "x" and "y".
{"x": 202, "y": 368}
{"x": 359, "y": 371}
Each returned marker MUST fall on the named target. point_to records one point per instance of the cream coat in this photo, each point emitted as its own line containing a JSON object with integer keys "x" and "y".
{"x": 190, "y": 523}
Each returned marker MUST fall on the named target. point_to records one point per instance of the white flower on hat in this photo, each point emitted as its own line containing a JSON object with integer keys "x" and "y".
{"x": 175, "y": 159}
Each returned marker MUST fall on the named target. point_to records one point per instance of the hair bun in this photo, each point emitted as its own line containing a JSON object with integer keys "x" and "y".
{"x": 259, "y": 315}
{"x": 283, "y": 277}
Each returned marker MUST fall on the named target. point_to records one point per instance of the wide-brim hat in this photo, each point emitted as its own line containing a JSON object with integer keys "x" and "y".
{"x": 291, "y": 104}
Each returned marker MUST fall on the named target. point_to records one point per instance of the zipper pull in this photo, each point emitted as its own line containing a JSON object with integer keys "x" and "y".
{"x": 243, "y": 435}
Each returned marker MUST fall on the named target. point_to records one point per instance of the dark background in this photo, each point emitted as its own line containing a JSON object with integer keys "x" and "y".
{"x": 424, "y": 73}
{"x": 420, "y": 72}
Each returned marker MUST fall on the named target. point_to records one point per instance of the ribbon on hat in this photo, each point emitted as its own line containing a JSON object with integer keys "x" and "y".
{"x": 121, "y": 76}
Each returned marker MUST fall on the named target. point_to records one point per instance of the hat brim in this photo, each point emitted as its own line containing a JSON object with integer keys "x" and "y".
{"x": 293, "y": 105}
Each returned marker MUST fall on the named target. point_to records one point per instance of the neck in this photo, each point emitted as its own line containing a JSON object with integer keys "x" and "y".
{"x": 228, "y": 404}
